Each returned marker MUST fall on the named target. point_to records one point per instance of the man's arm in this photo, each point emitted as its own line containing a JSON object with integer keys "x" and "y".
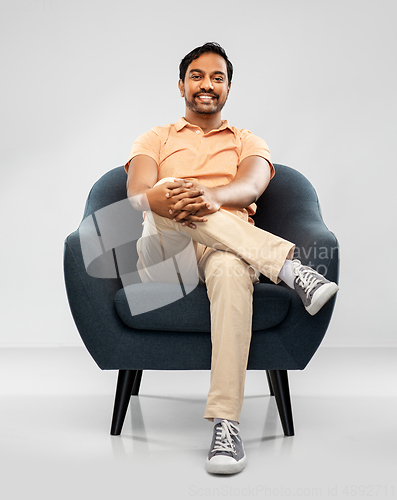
{"x": 252, "y": 178}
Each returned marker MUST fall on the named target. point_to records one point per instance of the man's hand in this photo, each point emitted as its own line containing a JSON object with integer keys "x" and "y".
{"x": 159, "y": 199}
{"x": 163, "y": 197}
{"x": 192, "y": 205}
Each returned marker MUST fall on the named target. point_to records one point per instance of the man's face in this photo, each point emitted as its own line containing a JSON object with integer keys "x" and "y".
{"x": 206, "y": 85}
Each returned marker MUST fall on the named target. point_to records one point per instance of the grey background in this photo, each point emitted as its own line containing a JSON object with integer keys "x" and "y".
{"x": 82, "y": 79}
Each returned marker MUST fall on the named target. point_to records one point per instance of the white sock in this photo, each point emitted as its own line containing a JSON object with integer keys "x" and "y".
{"x": 286, "y": 274}
{"x": 218, "y": 420}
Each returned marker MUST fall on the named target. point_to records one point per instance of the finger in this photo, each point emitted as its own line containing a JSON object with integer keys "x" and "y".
{"x": 181, "y": 216}
{"x": 184, "y": 181}
{"x": 198, "y": 219}
{"x": 188, "y": 223}
{"x": 200, "y": 214}
{"x": 174, "y": 213}
{"x": 186, "y": 217}
{"x": 178, "y": 191}
{"x": 190, "y": 205}
{"x": 182, "y": 193}
{"x": 181, "y": 183}
{"x": 191, "y": 210}
{"x": 194, "y": 218}
{"x": 173, "y": 184}
{"x": 186, "y": 207}
{"x": 187, "y": 183}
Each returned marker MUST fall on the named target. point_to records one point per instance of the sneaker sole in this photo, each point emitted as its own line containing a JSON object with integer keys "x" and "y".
{"x": 218, "y": 465}
{"x": 321, "y": 297}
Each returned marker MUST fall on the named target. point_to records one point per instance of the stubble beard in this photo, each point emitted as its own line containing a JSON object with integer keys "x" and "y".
{"x": 202, "y": 110}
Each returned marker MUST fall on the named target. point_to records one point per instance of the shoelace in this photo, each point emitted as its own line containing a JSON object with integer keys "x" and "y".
{"x": 223, "y": 438}
{"x": 307, "y": 278}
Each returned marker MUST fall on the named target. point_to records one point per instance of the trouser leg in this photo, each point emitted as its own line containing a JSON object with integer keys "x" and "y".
{"x": 229, "y": 282}
{"x": 167, "y": 255}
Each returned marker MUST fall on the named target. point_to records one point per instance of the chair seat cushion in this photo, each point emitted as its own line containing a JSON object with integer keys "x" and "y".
{"x": 156, "y": 306}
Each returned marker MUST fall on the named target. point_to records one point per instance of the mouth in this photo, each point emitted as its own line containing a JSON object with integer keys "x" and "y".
{"x": 205, "y": 97}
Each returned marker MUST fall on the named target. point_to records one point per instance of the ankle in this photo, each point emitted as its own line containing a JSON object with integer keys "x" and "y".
{"x": 287, "y": 274}
{"x": 219, "y": 420}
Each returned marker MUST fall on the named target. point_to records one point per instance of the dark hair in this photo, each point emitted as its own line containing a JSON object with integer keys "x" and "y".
{"x": 198, "y": 51}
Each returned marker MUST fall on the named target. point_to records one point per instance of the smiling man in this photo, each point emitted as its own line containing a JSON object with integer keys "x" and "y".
{"x": 200, "y": 177}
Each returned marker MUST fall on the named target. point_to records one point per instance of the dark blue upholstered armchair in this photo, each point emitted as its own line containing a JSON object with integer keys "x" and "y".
{"x": 285, "y": 336}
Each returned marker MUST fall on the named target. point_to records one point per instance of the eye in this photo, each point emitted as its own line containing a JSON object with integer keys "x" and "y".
{"x": 195, "y": 77}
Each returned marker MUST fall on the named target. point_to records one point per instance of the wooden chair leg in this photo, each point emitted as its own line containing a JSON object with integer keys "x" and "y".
{"x": 137, "y": 383}
{"x": 279, "y": 382}
{"x": 125, "y": 382}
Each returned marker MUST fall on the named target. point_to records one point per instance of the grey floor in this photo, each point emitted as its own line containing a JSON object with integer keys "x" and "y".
{"x": 55, "y": 417}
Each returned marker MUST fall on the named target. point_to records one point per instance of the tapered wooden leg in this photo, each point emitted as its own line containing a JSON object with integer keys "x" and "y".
{"x": 279, "y": 382}
{"x": 137, "y": 383}
{"x": 125, "y": 382}
{"x": 269, "y": 383}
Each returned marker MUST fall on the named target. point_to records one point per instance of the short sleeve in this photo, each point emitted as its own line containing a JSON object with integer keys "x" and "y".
{"x": 147, "y": 144}
{"x": 252, "y": 145}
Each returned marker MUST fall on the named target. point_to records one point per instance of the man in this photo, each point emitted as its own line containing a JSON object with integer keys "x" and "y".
{"x": 200, "y": 177}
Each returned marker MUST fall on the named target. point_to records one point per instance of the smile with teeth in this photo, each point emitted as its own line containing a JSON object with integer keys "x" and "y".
{"x": 205, "y": 98}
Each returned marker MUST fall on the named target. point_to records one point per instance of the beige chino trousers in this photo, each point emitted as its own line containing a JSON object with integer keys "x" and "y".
{"x": 225, "y": 253}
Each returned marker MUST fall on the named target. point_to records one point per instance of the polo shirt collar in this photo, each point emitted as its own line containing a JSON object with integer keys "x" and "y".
{"x": 181, "y": 123}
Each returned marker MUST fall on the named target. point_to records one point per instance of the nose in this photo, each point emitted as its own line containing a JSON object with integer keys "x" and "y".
{"x": 206, "y": 83}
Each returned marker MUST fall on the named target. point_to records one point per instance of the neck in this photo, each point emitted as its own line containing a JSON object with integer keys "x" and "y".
{"x": 205, "y": 122}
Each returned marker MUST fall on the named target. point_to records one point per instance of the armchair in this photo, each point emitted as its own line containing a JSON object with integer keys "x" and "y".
{"x": 103, "y": 287}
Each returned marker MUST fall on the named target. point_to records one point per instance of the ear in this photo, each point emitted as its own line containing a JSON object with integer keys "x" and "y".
{"x": 181, "y": 88}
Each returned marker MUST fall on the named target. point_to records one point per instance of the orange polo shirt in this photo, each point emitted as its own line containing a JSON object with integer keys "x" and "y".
{"x": 182, "y": 150}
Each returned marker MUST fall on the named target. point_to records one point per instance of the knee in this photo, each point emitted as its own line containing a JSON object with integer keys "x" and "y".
{"x": 167, "y": 179}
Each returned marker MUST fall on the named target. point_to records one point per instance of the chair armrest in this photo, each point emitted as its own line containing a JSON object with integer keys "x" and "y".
{"x": 91, "y": 304}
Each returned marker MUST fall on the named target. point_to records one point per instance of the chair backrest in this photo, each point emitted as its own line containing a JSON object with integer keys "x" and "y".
{"x": 289, "y": 201}
{"x": 290, "y": 208}
{"x": 110, "y": 188}
{"x": 110, "y": 228}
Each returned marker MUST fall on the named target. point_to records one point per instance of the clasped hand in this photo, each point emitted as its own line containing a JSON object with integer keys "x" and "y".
{"x": 183, "y": 201}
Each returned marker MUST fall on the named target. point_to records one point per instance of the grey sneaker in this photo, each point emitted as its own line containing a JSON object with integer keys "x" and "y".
{"x": 226, "y": 455}
{"x": 312, "y": 287}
